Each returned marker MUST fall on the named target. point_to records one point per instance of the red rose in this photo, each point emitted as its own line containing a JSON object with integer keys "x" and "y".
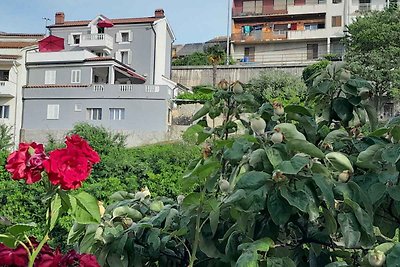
{"x": 48, "y": 258}
{"x": 27, "y": 162}
{"x": 68, "y": 168}
{"x": 88, "y": 260}
{"x": 17, "y": 257}
{"x": 76, "y": 142}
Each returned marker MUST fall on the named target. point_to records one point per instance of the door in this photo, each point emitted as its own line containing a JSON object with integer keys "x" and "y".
{"x": 249, "y": 54}
{"x": 312, "y": 51}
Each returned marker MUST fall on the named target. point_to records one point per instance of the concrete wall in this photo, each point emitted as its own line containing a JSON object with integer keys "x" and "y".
{"x": 202, "y": 75}
{"x": 36, "y": 75}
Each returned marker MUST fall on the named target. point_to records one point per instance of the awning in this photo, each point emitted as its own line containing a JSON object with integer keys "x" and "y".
{"x": 130, "y": 73}
{"x": 51, "y": 44}
{"x": 105, "y": 23}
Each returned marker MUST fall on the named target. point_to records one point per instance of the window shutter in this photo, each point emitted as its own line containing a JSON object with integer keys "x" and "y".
{"x": 53, "y": 112}
{"x": 70, "y": 39}
{"x": 50, "y": 77}
{"x": 118, "y": 37}
{"x": 129, "y": 57}
{"x": 130, "y": 36}
{"x": 118, "y": 55}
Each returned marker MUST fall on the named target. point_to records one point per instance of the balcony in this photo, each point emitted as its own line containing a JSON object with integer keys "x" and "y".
{"x": 238, "y": 12}
{"x": 257, "y": 37}
{"x": 7, "y": 89}
{"x": 310, "y": 8}
{"x": 77, "y": 56}
{"x": 308, "y": 34}
{"x": 97, "y": 41}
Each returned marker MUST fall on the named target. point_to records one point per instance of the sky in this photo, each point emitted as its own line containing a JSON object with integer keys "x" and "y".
{"x": 191, "y": 20}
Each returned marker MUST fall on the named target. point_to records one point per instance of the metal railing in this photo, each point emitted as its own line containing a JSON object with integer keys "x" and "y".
{"x": 259, "y": 36}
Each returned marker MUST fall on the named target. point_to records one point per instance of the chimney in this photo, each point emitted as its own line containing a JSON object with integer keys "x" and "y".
{"x": 59, "y": 18}
{"x": 159, "y": 13}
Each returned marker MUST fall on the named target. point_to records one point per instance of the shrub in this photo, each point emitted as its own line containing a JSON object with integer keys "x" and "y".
{"x": 277, "y": 85}
{"x": 197, "y": 95}
{"x": 311, "y": 70}
{"x": 6, "y": 140}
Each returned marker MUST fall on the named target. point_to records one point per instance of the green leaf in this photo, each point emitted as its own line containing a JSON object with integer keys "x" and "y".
{"x": 297, "y": 199}
{"x": 85, "y": 208}
{"x": 208, "y": 247}
{"x": 114, "y": 259}
{"x": 326, "y": 188}
{"x": 8, "y": 240}
{"x": 372, "y": 116}
{"x": 248, "y": 259}
{"x": 278, "y": 208}
{"x": 394, "y": 192}
{"x": 337, "y": 264}
{"x": 391, "y": 153}
{"x": 75, "y": 232}
{"x": 395, "y": 133}
{"x": 88, "y": 240}
{"x": 203, "y": 169}
{"x": 376, "y": 192}
{"x": 330, "y": 221}
{"x": 298, "y": 109}
{"x": 393, "y": 258}
{"x": 214, "y": 220}
{"x": 273, "y": 156}
{"x": 296, "y": 164}
{"x": 202, "y": 112}
{"x": 280, "y": 262}
{"x": 369, "y": 158}
{"x": 55, "y": 210}
{"x": 262, "y": 245}
{"x": 252, "y": 180}
{"x": 305, "y": 147}
{"x": 339, "y": 161}
{"x": 343, "y": 109}
{"x": 20, "y": 228}
{"x": 379, "y": 132}
{"x": 350, "y": 229}
{"x": 335, "y": 135}
{"x": 364, "y": 220}
{"x": 238, "y": 149}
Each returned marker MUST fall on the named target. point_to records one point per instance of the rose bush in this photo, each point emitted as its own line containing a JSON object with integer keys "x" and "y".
{"x": 59, "y": 172}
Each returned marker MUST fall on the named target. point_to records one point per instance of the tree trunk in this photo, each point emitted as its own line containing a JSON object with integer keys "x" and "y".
{"x": 214, "y": 74}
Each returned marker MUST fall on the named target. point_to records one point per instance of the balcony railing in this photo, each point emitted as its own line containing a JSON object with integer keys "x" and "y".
{"x": 7, "y": 89}
{"x": 97, "y": 40}
{"x": 364, "y": 7}
{"x": 259, "y": 36}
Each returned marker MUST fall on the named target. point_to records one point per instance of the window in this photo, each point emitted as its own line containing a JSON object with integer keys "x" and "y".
{"x": 117, "y": 114}
{"x": 249, "y": 54}
{"x": 94, "y": 114}
{"x": 125, "y": 37}
{"x": 53, "y": 112}
{"x": 50, "y": 77}
{"x": 4, "y": 74}
{"x": 4, "y": 112}
{"x": 336, "y": 21}
{"x": 253, "y": 7}
{"x": 78, "y": 108}
{"x": 312, "y": 51}
{"x": 125, "y": 57}
{"x": 310, "y": 26}
{"x": 336, "y": 1}
{"x": 75, "y": 76}
{"x": 76, "y": 39}
{"x": 279, "y": 4}
{"x": 364, "y": 5}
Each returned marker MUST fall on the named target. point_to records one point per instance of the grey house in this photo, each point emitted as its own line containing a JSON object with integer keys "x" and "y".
{"x": 109, "y": 72}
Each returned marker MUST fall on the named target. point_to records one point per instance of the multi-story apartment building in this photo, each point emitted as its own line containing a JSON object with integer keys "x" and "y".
{"x": 286, "y": 31}
{"x": 109, "y": 72}
{"x": 13, "y": 47}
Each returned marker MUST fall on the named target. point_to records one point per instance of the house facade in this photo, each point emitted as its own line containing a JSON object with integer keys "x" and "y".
{"x": 293, "y": 31}
{"x": 109, "y": 72}
{"x": 13, "y": 47}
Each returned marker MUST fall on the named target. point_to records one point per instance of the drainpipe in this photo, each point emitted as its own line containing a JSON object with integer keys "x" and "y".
{"x": 16, "y": 105}
{"x": 154, "y": 52}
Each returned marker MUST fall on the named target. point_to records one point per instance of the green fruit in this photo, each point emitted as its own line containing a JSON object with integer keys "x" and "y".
{"x": 344, "y": 176}
{"x": 126, "y": 211}
{"x": 180, "y": 199}
{"x": 224, "y": 185}
{"x": 277, "y": 138}
{"x": 156, "y": 206}
{"x": 258, "y": 125}
{"x": 364, "y": 93}
{"x": 237, "y": 88}
{"x": 289, "y": 131}
{"x": 279, "y": 111}
{"x": 339, "y": 161}
{"x": 345, "y": 75}
{"x": 376, "y": 258}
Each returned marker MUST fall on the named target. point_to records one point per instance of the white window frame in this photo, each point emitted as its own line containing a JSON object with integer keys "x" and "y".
{"x": 94, "y": 114}
{"x": 53, "y": 112}
{"x": 71, "y": 40}
{"x": 119, "y": 56}
{"x": 78, "y": 107}
{"x": 50, "y": 77}
{"x": 76, "y": 76}
{"x": 118, "y": 37}
{"x": 3, "y": 112}
{"x": 117, "y": 114}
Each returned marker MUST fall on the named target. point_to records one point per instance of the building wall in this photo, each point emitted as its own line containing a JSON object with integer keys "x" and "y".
{"x": 141, "y": 46}
{"x": 36, "y": 74}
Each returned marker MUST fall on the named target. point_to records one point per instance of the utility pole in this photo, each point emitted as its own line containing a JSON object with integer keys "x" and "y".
{"x": 228, "y": 28}
{"x": 46, "y": 21}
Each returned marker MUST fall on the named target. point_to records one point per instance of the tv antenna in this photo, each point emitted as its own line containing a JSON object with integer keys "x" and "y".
{"x": 46, "y": 21}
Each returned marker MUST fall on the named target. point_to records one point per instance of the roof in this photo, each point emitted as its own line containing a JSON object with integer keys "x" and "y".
{"x": 9, "y": 57}
{"x": 73, "y": 23}
{"x": 218, "y": 39}
{"x": 189, "y": 49}
{"x": 21, "y": 34}
{"x": 16, "y": 44}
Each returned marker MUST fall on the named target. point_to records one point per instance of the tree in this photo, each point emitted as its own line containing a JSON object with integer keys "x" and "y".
{"x": 277, "y": 85}
{"x": 6, "y": 141}
{"x": 373, "y": 51}
{"x": 215, "y": 54}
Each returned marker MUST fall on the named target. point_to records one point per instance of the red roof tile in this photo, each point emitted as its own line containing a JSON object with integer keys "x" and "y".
{"x": 16, "y": 44}
{"x": 21, "y": 34}
{"x": 72, "y": 23}
{"x": 99, "y": 58}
